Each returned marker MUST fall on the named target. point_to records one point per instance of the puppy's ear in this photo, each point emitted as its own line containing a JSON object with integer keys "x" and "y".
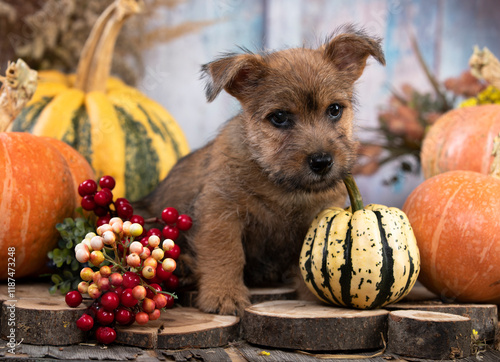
{"x": 236, "y": 74}
{"x": 350, "y": 50}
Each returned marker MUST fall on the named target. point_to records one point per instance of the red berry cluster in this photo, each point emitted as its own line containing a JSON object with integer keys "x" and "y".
{"x": 135, "y": 268}
{"x": 101, "y": 201}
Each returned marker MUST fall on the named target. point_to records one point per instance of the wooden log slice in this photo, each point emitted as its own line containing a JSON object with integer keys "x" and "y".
{"x": 41, "y": 321}
{"x": 257, "y": 295}
{"x": 181, "y": 328}
{"x": 306, "y": 325}
{"x": 484, "y": 317}
{"x": 431, "y": 335}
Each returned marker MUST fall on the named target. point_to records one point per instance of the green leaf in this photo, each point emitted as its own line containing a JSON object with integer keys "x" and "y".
{"x": 56, "y": 278}
{"x": 53, "y": 289}
{"x": 65, "y": 287}
{"x": 75, "y": 283}
{"x": 50, "y": 255}
{"x": 67, "y": 274}
{"x": 65, "y": 235}
{"x": 75, "y": 265}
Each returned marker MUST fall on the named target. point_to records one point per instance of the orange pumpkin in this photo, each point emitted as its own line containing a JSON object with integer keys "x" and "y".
{"x": 78, "y": 165}
{"x": 37, "y": 191}
{"x": 454, "y": 216}
{"x": 461, "y": 139}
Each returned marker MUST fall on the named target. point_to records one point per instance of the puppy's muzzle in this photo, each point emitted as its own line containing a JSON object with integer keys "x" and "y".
{"x": 320, "y": 163}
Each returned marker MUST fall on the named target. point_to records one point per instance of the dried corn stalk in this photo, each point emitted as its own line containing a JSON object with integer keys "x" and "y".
{"x": 19, "y": 85}
{"x": 484, "y": 65}
{"x": 50, "y": 34}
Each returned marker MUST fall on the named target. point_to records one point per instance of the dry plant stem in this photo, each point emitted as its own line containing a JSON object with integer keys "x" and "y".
{"x": 484, "y": 65}
{"x": 19, "y": 85}
{"x": 495, "y": 165}
{"x": 429, "y": 75}
{"x": 95, "y": 62}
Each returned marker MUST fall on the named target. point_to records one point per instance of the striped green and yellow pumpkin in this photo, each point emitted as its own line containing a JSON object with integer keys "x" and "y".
{"x": 363, "y": 259}
{"x": 118, "y": 129}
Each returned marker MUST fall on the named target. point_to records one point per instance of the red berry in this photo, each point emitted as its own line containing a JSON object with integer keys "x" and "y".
{"x": 154, "y": 280}
{"x": 103, "y": 198}
{"x": 137, "y": 219}
{"x": 172, "y": 283}
{"x": 85, "y": 323}
{"x": 148, "y": 305}
{"x": 170, "y": 232}
{"x": 170, "y": 301}
{"x": 170, "y": 215}
{"x": 87, "y": 187}
{"x": 124, "y": 211}
{"x": 88, "y": 203}
{"x": 174, "y": 252}
{"x": 108, "y": 192}
{"x": 124, "y": 316}
{"x": 121, "y": 200}
{"x": 149, "y": 293}
{"x": 107, "y": 182}
{"x": 101, "y": 210}
{"x": 127, "y": 299}
{"x": 103, "y": 220}
{"x": 92, "y": 311}
{"x": 160, "y": 300}
{"x": 105, "y": 317}
{"x": 118, "y": 291}
{"x": 144, "y": 241}
{"x": 154, "y": 231}
{"x": 142, "y": 318}
{"x": 184, "y": 222}
{"x": 105, "y": 335}
{"x": 130, "y": 280}
{"x": 73, "y": 298}
{"x": 110, "y": 301}
{"x": 161, "y": 273}
{"x": 154, "y": 315}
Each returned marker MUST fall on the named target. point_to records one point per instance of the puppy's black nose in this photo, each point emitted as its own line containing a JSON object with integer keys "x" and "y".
{"x": 320, "y": 163}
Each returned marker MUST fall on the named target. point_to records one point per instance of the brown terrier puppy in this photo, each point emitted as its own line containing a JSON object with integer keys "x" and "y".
{"x": 254, "y": 190}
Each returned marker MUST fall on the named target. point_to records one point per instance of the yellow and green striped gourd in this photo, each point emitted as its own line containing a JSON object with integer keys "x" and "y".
{"x": 118, "y": 129}
{"x": 365, "y": 258}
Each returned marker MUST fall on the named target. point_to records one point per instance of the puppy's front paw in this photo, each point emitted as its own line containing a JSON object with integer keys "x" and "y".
{"x": 231, "y": 300}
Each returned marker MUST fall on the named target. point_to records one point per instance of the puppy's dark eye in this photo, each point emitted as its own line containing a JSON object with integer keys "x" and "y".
{"x": 280, "y": 119}
{"x": 334, "y": 111}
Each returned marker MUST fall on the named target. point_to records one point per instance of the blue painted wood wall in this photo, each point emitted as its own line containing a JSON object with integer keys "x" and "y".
{"x": 447, "y": 31}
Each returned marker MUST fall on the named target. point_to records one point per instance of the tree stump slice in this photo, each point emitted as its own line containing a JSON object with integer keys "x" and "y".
{"x": 484, "y": 317}
{"x": 257, "y": 295}
{"x": 41, "y": 321}
{"x": 307, "y": 325}
{"x": 28, "y": 291}
{"x": 431, "y": 335}
{"x": 181, "y": 328}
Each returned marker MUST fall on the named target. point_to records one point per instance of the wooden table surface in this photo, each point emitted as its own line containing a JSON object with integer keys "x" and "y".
{"x": 234, "y": 350}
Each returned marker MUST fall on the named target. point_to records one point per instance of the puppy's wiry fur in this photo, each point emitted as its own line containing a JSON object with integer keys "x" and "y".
{"x": 254, "y": 190}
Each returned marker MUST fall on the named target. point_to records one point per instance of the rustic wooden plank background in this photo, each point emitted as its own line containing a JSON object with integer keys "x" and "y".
{"x": 447, "y": 31}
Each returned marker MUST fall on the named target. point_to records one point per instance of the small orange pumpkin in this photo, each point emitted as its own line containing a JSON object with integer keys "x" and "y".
{"x": 37, "y": 191}
{"x": 461, "y": 139}
{"x": 454, "y": 216}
